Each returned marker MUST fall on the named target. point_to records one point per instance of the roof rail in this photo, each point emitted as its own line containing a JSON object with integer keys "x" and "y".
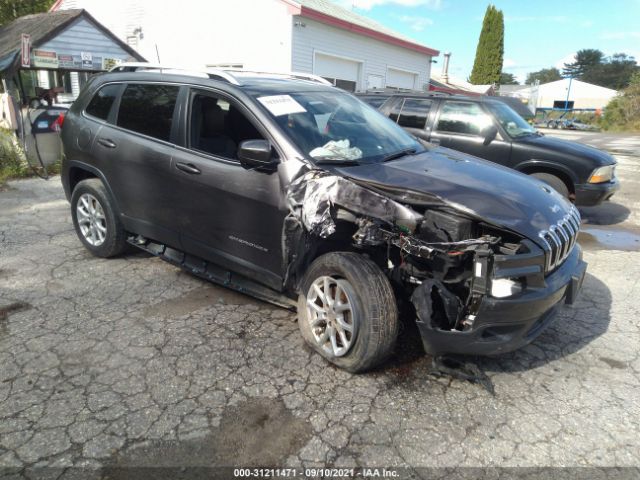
{"x": 212, "y": 73}
{"x": 299, "y": 75}
{"x": 226, "y": 74}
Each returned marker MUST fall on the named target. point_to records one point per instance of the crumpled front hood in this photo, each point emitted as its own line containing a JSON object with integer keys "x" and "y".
{"x": 484, "y": 190}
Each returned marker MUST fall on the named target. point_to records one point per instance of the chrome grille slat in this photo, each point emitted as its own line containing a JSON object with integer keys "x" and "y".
{"x": 558, "y": 241}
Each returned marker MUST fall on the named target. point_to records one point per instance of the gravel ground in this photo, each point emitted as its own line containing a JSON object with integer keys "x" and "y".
{"x": 130, "y": 362}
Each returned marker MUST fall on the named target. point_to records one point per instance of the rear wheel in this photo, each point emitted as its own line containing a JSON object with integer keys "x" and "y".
{"x": 554, "y": 182}
{"x": 95, "y": 220}
{"x": 347, "y": 311}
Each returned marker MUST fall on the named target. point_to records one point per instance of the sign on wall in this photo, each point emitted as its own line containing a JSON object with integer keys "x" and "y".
{"x": 25, "y": 50}
{"x": 109, "y": 63}
{"x": 45, "y": 59}
{"x": 65, "y": 61}
{"x": 87, "y": 59}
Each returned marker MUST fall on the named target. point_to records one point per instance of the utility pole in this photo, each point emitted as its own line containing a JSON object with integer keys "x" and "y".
{"x": 566, "y": 102}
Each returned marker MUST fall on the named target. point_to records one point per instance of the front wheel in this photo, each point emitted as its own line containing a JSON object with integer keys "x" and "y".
{"x": 554, "y": 182}
{"x": 347, "y": 311}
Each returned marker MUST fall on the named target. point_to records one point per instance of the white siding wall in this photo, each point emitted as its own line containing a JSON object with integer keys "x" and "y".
{"x": 194, "y": 33}
{"x": 376, "y": 56}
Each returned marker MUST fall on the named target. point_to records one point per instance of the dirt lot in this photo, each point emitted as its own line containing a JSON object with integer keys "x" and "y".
{"x": 131, "y": 362}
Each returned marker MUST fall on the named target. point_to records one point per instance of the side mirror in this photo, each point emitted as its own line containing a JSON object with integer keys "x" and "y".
{"x": 256, "y": 154}
{"x": 490, "y": 134}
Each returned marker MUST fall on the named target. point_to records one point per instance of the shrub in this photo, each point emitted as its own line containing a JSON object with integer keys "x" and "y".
{"x": 12, "y": 160}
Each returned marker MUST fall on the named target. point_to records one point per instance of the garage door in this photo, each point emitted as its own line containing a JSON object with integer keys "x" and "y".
{"x": 401, "y": 79}
{"x": 339, "y": 71}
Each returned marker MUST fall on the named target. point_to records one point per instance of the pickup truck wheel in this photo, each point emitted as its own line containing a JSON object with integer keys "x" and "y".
{"x": 347, "y": 311}
{"x": 554, "y": 182}
{"x": 95, "y": 221}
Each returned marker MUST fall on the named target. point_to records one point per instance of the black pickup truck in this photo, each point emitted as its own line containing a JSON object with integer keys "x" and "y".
{"x": 489, "y": 128}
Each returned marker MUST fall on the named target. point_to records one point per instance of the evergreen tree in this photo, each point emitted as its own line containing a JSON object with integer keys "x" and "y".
{"x": 545, "y": 75}
{"x": 487, "y": 66}
{"x": 584, "y": 60}
{"x": 508, "y": 79}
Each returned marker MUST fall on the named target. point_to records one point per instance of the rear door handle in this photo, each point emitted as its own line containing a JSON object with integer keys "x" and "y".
{"x": 188, "y": 168}
{"x": 105, "y": 142}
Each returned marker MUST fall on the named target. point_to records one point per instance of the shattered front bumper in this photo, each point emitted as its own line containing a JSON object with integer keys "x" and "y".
{"x": 505, "y": 324}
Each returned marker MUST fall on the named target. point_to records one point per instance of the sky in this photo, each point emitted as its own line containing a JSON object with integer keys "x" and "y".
{"x": 538, "y": 33}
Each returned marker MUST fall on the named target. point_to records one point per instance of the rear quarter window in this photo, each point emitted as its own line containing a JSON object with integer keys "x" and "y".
{"x": 148, "y": 109}
{"x": 101, "y": 103}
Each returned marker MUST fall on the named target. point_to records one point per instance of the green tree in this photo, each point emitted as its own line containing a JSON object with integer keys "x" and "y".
{"x": 508, "y": 79}
{"x": 545, "y": 75}
{"x": 487, "y": 66}
{"x": 615, "y": 72}
{"x": 584, "y": 60}
{"x": 12, "y": 9}
{"x": 623, "y": 112}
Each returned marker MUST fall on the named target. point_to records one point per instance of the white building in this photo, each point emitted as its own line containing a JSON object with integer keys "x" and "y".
{"x": 580, "y": 95}
{"x": 311, "y": 36}
{"x": 574, "y": 93}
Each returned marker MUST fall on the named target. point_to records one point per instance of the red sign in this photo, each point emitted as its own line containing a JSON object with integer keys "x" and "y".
{"x": 25, "y": 50}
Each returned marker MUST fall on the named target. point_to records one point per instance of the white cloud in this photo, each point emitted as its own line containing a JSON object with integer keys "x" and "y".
{"x": 509, "y": 63}
{"x": 619, "y": 35}
{"x": 369, "y": 4}
{"x": 566, "y": 59}
{"x": 415, "y": 23}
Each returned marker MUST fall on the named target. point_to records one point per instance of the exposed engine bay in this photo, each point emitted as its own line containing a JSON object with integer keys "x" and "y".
{"x": 439, "y": 258}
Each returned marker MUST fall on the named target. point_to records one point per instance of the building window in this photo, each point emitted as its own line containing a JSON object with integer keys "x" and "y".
{"x": 562, "y": 104}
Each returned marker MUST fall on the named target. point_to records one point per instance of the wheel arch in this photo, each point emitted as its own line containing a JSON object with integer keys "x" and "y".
{"x": 562, "y": 173}
{"x": 79, "y": 171}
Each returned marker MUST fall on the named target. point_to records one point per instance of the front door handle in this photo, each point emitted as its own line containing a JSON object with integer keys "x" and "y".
{"x": 105, "y": 142}
{"x": 188, "y": 168}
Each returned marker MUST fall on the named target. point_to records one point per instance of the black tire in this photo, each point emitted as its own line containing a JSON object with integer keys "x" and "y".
{"x": 375, "y": 313}
{"x": 115, "y": 239}
{"x": 554, "y": 182}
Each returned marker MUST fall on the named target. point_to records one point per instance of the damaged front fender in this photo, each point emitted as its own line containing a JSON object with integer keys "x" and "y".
{"x": 313, "y": 196}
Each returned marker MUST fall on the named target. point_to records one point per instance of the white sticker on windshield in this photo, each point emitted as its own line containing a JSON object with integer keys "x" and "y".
{"x": 281, "y": 105}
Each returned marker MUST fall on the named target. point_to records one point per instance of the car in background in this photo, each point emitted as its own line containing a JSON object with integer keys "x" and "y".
{"x": 570, "y": 124}
{"x": 489, "y": 128}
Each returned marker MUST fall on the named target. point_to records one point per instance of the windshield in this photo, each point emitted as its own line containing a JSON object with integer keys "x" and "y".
{"x": 514, "y": 124}
{"x": 335, "y": 127}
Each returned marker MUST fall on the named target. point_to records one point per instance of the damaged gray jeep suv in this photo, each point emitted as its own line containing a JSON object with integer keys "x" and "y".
{"x": 298, "y": 193}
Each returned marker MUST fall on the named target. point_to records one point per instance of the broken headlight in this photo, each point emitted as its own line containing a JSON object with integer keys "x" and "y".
{"x": 505, "y": 287}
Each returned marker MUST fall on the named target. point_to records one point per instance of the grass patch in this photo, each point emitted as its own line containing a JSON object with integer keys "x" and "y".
{"x": 13, "y": 162}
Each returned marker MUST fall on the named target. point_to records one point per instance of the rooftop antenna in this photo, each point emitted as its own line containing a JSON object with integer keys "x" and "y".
{"x": 158, "y": 55}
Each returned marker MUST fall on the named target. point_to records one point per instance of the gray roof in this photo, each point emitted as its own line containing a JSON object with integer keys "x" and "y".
{"x": 42, "y": 27}
{"x": 333, "y": 10}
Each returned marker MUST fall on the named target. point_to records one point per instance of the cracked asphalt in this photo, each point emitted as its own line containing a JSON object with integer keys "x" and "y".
{"x": 130, "y": 362}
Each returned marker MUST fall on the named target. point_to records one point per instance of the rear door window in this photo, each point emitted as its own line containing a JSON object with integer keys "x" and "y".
{"x": 148, "y": 109}
{"x": 375, "y": 101}
{"x": 414, "y": 113}
{"x": 101, "y": 103}
{"x": 463, "y": 117}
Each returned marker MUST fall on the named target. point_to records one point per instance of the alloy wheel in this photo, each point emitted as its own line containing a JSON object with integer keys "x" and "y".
{"x": 91, "y": 220}
{"x": 331, "y": 316}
